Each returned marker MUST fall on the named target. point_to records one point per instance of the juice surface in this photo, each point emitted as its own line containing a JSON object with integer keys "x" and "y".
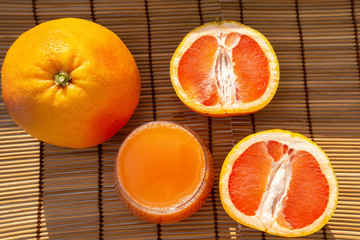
{"x": 161, "y": 165}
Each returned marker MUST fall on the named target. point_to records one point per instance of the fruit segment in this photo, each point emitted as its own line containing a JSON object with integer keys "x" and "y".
{"x": 195, "y": 70}
{"x": 308, "y": 193}
{"x": 249, "y": 177}
{"x": 276, "y": 183}
{"x": 226, "y": 69}
{"x": 251, "y": 68}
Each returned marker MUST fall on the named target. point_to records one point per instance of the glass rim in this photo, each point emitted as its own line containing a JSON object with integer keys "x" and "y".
{"x": 176, "y": 207}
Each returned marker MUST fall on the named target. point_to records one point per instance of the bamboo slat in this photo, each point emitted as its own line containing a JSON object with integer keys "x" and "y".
{"x": 48, "y": 192}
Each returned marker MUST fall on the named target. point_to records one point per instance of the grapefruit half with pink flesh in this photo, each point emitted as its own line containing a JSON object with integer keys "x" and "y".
{"x": 279, "y": 182}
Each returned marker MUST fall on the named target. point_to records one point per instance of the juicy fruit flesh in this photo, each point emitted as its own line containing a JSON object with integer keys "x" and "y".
{"x": 225, "y": 69}
{"x": 278, "y": 184}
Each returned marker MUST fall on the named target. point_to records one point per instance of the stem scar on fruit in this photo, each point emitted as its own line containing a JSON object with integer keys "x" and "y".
{"x": 62, "y": 78}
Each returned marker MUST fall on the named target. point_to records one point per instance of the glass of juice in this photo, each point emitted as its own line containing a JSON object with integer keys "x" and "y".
{"x": 164, "y": 172}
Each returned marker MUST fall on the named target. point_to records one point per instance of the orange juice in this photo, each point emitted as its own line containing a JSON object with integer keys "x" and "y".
{"x": 163, "y": 172}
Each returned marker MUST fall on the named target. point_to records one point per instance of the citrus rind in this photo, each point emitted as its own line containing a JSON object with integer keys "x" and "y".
{"x": 220, "y": 110}
{"x": 298, "y": 142}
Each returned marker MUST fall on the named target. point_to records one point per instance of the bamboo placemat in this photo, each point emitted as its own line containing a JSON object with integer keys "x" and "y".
{"x": 47, "y": 192}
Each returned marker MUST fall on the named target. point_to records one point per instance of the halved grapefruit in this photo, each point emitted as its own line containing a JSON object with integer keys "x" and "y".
{"x": 279, "y": 182}
{"x": 224, "y": 68}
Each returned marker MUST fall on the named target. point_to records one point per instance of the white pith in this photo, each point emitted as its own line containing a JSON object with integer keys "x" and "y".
{"x": 223, "y": 70}
{"x": 276, "y": 191}
{"x": 226, "y": 89}
{"x": 298, "y": 143}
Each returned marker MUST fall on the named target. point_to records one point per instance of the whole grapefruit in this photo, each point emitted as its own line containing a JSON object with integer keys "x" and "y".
{"x": 70, "y": 82}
